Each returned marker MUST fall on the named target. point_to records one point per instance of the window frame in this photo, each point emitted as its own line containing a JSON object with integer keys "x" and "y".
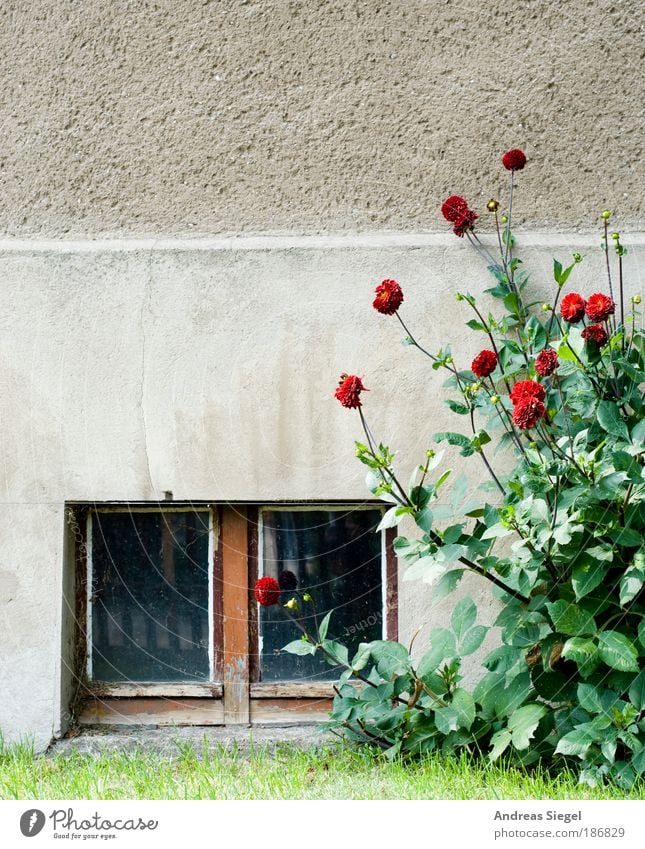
{"x": 234, "y": 694}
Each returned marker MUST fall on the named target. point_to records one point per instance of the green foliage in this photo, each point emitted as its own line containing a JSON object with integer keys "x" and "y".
{"x": 561, "y": 539}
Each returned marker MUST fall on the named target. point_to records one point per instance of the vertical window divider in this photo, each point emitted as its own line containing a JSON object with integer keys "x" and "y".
{"x": 236, "y": 616}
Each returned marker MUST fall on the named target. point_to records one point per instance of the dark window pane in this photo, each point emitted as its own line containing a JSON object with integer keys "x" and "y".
{"x": 150, "y": 596}
{"x": 336, "y": 556}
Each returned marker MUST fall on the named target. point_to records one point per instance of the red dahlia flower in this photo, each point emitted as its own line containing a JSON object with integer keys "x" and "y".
{"x": 454, "y": 207}
{"x": 484, "y": 363}
{"x": 514, "y": 160}
{"x": 596, "y": 333}
{"x": 527, "y": 413}
{"x": 546, "y": 362}
{"x": 389, "y": 297}
{"x": 572, "y": 308}
{"x": 464, "y": 222}
{"x": 600, "y": 307}
{"x": 525, "y": 390}
{"x": 267, "y": 591}
{"x": 349, "y": 389}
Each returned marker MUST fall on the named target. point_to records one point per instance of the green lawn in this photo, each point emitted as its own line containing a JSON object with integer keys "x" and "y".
{"x": 287, "y": 773}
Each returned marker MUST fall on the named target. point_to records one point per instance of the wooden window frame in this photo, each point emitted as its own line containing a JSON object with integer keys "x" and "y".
{"x": 235, "y": 695}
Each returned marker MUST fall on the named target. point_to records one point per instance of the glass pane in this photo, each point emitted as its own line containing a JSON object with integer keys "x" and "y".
{"x": 334, "y": 555}
{"x": 150, "y": 596}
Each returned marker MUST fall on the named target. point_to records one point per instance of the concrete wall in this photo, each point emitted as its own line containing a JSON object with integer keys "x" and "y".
{"x": 129, "y": 369}
{"x": 196, "y": 117}
{"x": 206, "y": 366}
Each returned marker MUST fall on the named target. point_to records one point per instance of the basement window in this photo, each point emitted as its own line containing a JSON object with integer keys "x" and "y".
{"x": 167, "y": 629}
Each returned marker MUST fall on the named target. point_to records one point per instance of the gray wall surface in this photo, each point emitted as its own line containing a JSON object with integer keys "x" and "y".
{"x": 195, "y": 118}
{"x": 209, "y": 369}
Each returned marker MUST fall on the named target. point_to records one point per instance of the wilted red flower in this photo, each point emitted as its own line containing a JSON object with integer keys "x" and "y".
{"x": 464, "y": 222}
{"x": 546, "y": 362}
{"x": 514, "y": 160}
{"x": 484, "y": 363}
{"x": 389, "y": 297}
{"x": 267, "y": 591}
{"x": 527, "y": 413}
{"x": 287, "y": 580}
{"x": 454, "y": 207}
{"x": 349, "y": 388}
{"x": 572, "y": 308}
{"x": 525, "y": 390}
{"x": 597, "y": 334}
{"x": 599, "y": 307}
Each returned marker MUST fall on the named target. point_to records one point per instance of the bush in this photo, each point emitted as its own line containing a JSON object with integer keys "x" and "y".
{"x": 559, "y": 538}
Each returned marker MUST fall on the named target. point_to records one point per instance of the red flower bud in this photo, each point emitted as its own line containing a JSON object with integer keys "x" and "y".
{"x": 514, "y": 160}
{"x": 599, "y": 307}
{"x": 349, "y": 389}
{"x": 484, "y": 363}
{"x": 527, "y": 389}
{"x": 596, "y": 333}
{"x": 267, "y": 591}
{"x": 389, "y": 297}
{"x": 572, "y": 308}
{"x": 546, "y": 362}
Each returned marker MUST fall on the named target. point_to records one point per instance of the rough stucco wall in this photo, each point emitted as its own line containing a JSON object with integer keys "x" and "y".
{"x": 209, "y": 370}
{"x": 191, "y": 117}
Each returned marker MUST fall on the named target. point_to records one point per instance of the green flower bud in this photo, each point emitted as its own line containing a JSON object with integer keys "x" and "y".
{"x": 448, "y": 360}
{"x": 494, "y": 399}
{"x": 292, "y": 604}
{"x": 577, "y": 257}
{"x": 533, "y": 445}
{"x": 636, "y": 299}
{"x": 546, "y": 307}
{"x": 504, "y": 219}
{"x": 615, "y": 236}
{"x": 459, "y": 297}
{"x": 430, "y": 453}
{"x": 306, "y": 597}
{"x": 492, "y": 205}
{"x": 476, "y": 386}
{"x": 606, "y": 214}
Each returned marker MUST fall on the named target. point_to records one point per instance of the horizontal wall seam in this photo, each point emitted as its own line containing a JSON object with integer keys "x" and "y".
{"x": 293, "y": 242}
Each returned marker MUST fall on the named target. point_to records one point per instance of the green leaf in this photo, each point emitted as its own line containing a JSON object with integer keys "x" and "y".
{"x": 570, "y": 619}
{"x": 582, "y": 651}
{"x": 390, "y": 519}
{"x": 447, "y": 584}
{"x": 576, "y": 742}
{"x": 587, "y": 575}
{"x": 631, "y": 584}
{"x": 362, "y": 656}
{"x": 627, "y": 537}
{"x": 300, "y": 647}
{"x": 500, "y": 741}
{"x": 464, "y": 442}
{"x": 424, "y": 519}
{"x": 456, "y": 407}
{"x": 523, "y": 724}
{"x": 610, "y": 419}
{"x": 391, "y": 658}
{"x": 324, "y": 627}
{"x": 463, "y": 617}
{"x": 472, "y": 640}
{"x": 464, "y": 706}
{"x": 641, "y": 632}
{"x": 426, "y": 569}
{"x": 637, "y": 691}
{"x": 617, "y": 651}
{"x": 589, "y": 698}
{"x": 475, "y": 325}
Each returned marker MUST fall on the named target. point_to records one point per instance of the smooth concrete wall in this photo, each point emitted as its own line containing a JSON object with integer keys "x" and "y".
{"x": 245, "y": 116}
{"x": 208, "y": 369}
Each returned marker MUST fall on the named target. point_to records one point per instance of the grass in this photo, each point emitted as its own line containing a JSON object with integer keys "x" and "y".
{"x": 286, "y": 773}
